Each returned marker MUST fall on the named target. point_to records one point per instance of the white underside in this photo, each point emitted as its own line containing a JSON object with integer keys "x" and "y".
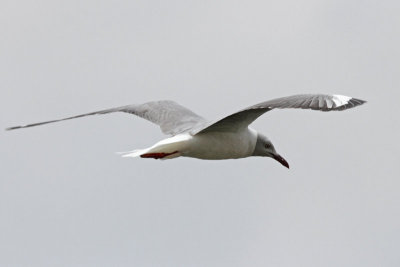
{"x": 213, "y": 145}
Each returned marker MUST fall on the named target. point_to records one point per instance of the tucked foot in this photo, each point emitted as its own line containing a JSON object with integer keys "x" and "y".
{"x": 157, "y": 155}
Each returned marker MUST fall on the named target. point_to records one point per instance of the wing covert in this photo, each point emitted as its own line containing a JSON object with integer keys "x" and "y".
{"x": 245, "y": 117}
{"x": 170, "y": 116}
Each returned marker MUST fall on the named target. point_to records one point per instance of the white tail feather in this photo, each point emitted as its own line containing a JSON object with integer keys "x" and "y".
{"x": 133, "y": 153}
{"x": 169, "y": 145}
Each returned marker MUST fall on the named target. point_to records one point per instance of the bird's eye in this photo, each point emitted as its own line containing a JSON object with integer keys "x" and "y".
{"x": 267, "y": 146}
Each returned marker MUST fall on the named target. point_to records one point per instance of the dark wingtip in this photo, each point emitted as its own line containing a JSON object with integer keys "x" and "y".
{"x": 13, "y": 128}
{"x": 353, "y": 102}
{"x": 357, "y": 101}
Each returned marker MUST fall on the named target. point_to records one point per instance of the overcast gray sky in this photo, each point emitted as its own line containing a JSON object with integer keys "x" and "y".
{"x": 67, "y": 200}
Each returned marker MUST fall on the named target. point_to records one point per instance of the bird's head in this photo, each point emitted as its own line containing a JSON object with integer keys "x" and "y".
{"x": 265, "y": 148}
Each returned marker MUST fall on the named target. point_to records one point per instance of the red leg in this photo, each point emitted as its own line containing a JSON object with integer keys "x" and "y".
{"x": 157, "y": 155}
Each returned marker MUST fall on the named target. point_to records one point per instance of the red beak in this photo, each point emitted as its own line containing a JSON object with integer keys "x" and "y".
{"x": 281, "y": 160}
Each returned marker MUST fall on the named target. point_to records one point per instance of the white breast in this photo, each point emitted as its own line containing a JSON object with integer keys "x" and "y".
{"x": 222, "y": 145}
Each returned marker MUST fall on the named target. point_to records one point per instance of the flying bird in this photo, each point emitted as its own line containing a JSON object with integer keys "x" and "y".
{"x": 228, "y": 138}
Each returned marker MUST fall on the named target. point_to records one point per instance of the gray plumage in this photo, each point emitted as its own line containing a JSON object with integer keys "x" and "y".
{"x": 174, "y": 119}
{"x": 245, "y": 117}
{"x": 170, "y": 116}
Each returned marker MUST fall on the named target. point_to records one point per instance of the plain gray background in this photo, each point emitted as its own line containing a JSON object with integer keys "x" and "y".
{"x": 67, "y": 200}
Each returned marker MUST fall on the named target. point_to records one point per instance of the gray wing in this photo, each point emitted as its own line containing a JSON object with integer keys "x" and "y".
{"x": 243, "y": 118}
{"x": 170, "y": 116}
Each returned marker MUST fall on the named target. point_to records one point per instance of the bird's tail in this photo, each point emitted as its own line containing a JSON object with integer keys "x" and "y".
{"x": 165, "y": 149}
{"x": 133, "y": 153}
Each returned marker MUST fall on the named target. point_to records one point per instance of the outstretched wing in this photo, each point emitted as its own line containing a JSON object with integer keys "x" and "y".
{"x": 243, "y": 118}
{"x": 170, "y": 116}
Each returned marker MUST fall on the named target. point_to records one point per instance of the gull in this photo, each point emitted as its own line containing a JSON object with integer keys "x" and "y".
{"x": 227, "y": 138}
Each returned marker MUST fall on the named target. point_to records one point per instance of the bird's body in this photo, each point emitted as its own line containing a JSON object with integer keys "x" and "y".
{"x": 211, "y": 145}
{"x": 226, "y": 138}
{"x": 222, "y": 145}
